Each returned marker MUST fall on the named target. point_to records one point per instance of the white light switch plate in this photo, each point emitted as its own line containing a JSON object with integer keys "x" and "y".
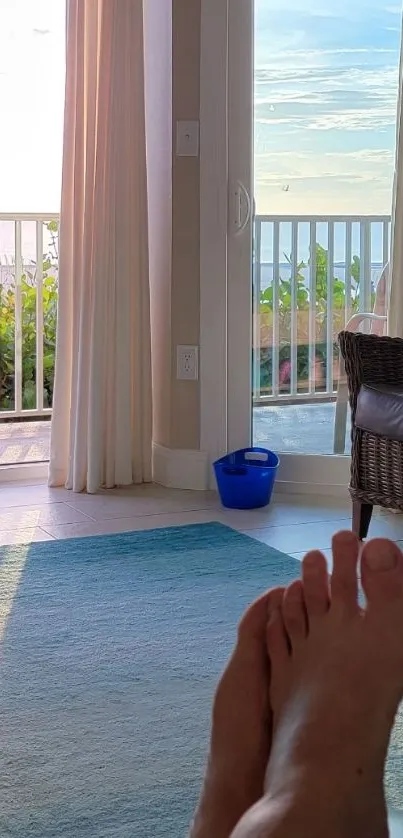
{"x": 187, "y": 138}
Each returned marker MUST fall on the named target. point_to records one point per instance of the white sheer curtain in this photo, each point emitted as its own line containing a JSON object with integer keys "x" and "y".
{"x": 102, "y": 413}
{"x": 395, "y": 308}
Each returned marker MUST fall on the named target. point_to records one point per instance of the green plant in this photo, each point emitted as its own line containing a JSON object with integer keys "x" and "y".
{"x": 29, "y": 330}
{"x": 300, "y": 297}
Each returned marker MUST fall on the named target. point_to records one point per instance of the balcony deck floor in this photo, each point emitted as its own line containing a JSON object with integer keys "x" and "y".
{"x": 24, "y": 442}
{"x": 301, "y": 428}
{"x": 297, "y": 428}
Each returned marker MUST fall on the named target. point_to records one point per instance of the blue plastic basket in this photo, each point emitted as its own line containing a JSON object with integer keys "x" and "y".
{"x": 246, "y": 478}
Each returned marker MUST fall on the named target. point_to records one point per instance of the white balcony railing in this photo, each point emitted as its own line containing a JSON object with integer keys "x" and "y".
{"x": 309, "y": 275}
{"x": 28, "y": 307}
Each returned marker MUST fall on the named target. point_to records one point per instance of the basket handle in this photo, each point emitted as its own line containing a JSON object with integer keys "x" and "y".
{"x": 259, "y": 456}
{"x": 235, "y": 471}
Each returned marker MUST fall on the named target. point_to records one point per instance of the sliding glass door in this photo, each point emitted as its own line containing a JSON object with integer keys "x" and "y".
{"x": 312, "y": 113}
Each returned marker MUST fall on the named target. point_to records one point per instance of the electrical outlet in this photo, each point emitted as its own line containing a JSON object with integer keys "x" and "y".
{"x": 187, "y": 363}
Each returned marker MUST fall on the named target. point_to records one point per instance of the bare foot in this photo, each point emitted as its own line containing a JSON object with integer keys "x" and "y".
{"x": 241, "y": 728}
{"x": 337, "y": 680}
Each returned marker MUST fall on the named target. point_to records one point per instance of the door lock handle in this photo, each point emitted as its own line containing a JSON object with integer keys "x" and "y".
{"x": 242, "y": 208}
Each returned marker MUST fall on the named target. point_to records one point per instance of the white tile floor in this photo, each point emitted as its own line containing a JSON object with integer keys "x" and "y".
{"x": 293, "y": 524}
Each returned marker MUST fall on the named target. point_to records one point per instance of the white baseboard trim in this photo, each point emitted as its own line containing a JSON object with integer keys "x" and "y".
{"x": 283, "y": 487}
{"x": 320, "y": 469}
{"x": 319, "y": 474}
{"x": 180, "y": 469}
{"x": 24, "y": 471}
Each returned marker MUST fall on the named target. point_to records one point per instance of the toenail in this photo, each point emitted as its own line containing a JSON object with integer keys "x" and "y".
{"x": 380, "y": 555}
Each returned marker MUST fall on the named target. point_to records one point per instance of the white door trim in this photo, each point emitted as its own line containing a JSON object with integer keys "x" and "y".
{"x": 213, "y": 228}
{"x": 240, "y": 222}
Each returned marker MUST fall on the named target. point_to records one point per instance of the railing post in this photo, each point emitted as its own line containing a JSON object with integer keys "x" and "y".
{"x": 312, "y": 306}
{"x": 347, "y": 272}
{"x": 386, "y": 244}
{"x": 294, "y": 309}
{"x": 329, "y": 312}
{"x": 275, "y": 356}
{"x": 18, "y": 384}
{"x": 365, "y": 266}
{"x": 39, "y": 316}
{"x": 257, "y": 287}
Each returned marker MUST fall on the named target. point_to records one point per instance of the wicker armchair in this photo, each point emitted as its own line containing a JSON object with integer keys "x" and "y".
{"x": 374, "y": 368}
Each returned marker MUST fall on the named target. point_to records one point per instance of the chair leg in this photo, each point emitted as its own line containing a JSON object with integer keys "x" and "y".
{"x": 362, "y": 514}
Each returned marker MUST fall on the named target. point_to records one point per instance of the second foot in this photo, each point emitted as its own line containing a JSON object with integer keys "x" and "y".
{"x": 241, "y": 728}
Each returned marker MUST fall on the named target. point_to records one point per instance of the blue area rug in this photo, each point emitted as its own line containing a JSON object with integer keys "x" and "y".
{"x": 110, "y": 656}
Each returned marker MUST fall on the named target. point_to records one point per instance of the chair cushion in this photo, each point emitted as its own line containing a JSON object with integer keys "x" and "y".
{"x": 380, "y": 411}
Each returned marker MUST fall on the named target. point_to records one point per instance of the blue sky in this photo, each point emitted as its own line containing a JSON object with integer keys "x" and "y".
{"x": 326, "y": 82}
{"x": 325, "y": 93}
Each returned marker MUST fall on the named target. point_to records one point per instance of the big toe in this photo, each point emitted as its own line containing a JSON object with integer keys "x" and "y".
{"x": 382, "y": 572}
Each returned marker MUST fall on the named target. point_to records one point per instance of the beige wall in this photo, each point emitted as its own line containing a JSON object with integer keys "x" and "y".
{"x": 185, "y": 289}
{"x": 173, "y": 93}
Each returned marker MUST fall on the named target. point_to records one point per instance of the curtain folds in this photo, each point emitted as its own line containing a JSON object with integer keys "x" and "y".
{"x": 102, "y": 411}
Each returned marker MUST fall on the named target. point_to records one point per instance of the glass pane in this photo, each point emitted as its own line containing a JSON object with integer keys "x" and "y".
{"x": 326, "y": 84}
{"x": 32, "y": 70}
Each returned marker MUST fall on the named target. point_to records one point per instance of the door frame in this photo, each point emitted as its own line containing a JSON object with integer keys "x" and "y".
{"x": 213, "y": 229}
{"x": 311, "y": 474}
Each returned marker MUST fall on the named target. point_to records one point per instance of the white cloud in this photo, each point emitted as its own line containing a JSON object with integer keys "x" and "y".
{"x": 315, "y": 53}
{"x": 354, "y": 120}
{"x": 327, "y": 99}
{"x": 371, "y": 155}
{"x": 380, "y": 155}
{"x": 297, "y": 59}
